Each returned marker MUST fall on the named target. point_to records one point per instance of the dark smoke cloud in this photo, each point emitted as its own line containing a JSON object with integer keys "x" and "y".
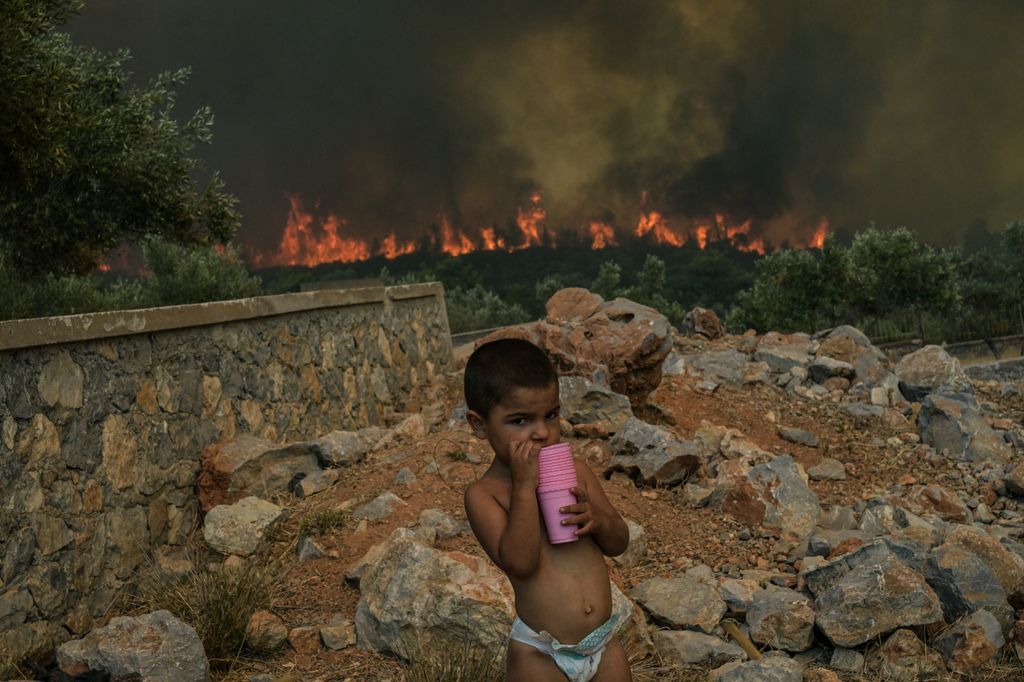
{"x": 782, "y": 112}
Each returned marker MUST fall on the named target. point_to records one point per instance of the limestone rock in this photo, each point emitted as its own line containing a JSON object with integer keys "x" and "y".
{"x": 932, "y": 499}
{"x": 651, "y": 454}
{"x": 775, "y": 495}
{"x": 873, "y": 599}
{"x": 847, "y": 660}
{"x": 824, "y": 368}
{"x": 584, "y": 402}
{"x": 684, "y": 647}
{"x": 931, "y": 370}
{"x": 308, "y": 549}
{"x": 248, "y": 466}
{"x": 156, "y": 647}
{"x": 905, "y": 658}
{"x": 681, "y": 603}
{"x": 827, "y": 469}
{"x": 1007, "y": 566}
{"x": 768, "y": 669}
{"x": 305, "y": 639}
{"x": 726, "y": 366}
{"x": 265, "y": 632}
{"x": 738, "y": 593}
{"x": 783, "y": 352}
{"x": 958, "y": 428}
{"x": 441, "y": 521}
{"x": 972, "y": 642}
{"x": 587, "y": 336}
{"x": 345, "y": 448}
{"x": 410, "y": 589}
{"x": 239, "y": 528}
{"x": 702, "y": 322}
{"x": 340, "y": 634}
{"x": 965, "y": 584}
{"x": 798, "y": 436}
{"x": 355, "y": 571}
{"x": 781, "y": 619}
{"x": 379, "y": 507}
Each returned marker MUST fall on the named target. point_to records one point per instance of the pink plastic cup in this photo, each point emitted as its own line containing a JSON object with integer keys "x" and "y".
{"x": 555, "y": 467}
{"x": 550, "y": 502}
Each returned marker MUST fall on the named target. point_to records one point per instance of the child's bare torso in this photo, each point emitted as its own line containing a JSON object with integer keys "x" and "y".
{"x": 569, "y": 595}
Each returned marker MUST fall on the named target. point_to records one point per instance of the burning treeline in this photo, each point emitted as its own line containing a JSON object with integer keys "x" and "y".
{"x": 310, "y": 240}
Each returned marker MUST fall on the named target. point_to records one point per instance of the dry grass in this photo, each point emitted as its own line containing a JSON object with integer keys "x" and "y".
{"x": 321, "y": 521}
{"x": 439, "y": 659}
{"x": 217, "y": 604}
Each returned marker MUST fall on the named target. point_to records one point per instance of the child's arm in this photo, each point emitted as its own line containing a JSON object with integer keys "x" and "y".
{"x": 595, "y": 514}
{"x": 511, "y": 540}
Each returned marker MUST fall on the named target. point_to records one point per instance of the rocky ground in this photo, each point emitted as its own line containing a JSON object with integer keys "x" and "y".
{"x": 856, "y": 520}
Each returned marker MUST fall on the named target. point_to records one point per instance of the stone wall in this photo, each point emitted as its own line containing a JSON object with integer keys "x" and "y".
{"x": 103, "y": 418}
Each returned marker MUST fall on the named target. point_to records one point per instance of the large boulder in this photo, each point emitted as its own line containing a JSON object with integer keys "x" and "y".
{"x": 781, "y": 619}
{"x": 905, "y": 658}
{"x": 931, "y": 370}
{"x": 874, "y": 599}
{"x": 685, "y": 647}
{"x": 154, "y": 647}
{"x": 702, "y": 322}
{"x": 955, "y": 426}
{"x": 871, "y": 365}
{"x": 727, "y": 366}
{"x": 241, "y": 527}
{"x": 345, "y": 448}
{"x": 248, "y": 465}
{"x": 783, "y": 352}
{"x": 774, "y": 494}
{"x": 585, "y": 335}
{"x": 972, "y": 642}
{"x": 965, "y": 583}
{"x": 584, "y": 402}
{"x": 652, "y": 455}
{"x": 408, "y": 590}
{"x": 685, "y": 602}
{"x": 932, "y": 499}
{"x": 768, "y": 669}
{"x": 1006, "y": 566}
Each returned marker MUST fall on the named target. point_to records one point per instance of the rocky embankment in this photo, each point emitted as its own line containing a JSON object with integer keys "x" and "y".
{"x": 799, "y": 508}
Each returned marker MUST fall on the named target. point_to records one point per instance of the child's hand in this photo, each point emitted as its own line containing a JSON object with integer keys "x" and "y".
{"x": 522, "y": 461}
{"x": 588, "y": 521}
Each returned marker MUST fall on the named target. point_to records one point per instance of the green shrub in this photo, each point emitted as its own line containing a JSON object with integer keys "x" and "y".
{"x": 186, "y": 274}
{"x": 479, "y": 308}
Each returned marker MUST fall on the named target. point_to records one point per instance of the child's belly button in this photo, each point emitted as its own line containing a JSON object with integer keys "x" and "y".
{"x": 587, "y": 609}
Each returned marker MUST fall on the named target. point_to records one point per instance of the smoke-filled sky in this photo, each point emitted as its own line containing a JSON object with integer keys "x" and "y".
{"x": 388, "y": 112}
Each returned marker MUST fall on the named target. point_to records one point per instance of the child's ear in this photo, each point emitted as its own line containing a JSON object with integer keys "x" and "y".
{"x": 477, "y": 423}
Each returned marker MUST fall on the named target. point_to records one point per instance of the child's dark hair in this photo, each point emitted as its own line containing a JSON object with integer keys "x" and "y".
{"x": 498, "y": 367}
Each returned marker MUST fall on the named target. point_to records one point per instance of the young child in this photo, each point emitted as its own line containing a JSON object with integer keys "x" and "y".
{"x": 563, "y": 628}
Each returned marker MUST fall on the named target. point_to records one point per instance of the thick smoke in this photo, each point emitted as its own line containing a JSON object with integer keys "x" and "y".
{"x": 782, "y": 112}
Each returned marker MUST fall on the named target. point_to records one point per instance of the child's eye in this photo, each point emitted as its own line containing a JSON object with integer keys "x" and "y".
{"x": 552, "y": 416}
{"x": 518, "y": 421}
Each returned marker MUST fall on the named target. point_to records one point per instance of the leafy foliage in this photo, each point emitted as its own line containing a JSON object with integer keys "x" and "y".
{"x": 87, "y": 160}
{"x": 479, "y": 308}
{"x": 182, "y": 274}
{"x": 176, "y": 275}
{"x": 786, "y": 295}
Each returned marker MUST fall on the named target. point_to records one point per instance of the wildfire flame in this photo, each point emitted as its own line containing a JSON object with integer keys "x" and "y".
{"x": 310, "y": 241}
{"x": 601, "y": 235}
{"x": 818, "y": 240}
